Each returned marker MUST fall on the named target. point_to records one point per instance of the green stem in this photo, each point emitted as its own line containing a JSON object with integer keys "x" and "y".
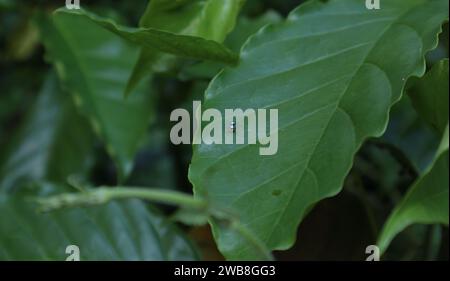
{"x": 104, "y": 195}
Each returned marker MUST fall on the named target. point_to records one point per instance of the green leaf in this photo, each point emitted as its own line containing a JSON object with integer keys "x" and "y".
{"x": 208, "y": 19}
{"x": 426, "y": 202}
{"x": 94, "y": 64}
{"x": 410, "y": 133}
{"x": 245, "y": 27}
{"x": 53, "y": 143}
{"x": 333, "y": 70}
{"x": 117, "y": 231}
{"x": 430, "y": 96}
{"x": 154, "y": 39}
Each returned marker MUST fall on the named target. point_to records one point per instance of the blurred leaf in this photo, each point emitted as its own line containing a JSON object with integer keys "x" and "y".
{"x": 23, "y": 41}
{"x": 212, "y": 19}
{"x": 384, "y": 169}
{"x": 6, "y": 4}
{"x": 427, "y": 200}
{"x": 430, "y": 96}
{"x": 208, "y": 19}
{"x": 409, "y": 245}
{"x": 53, "y": 143}
{"x": 95, "y": 65}
{"x": 154, "y": 165}
{"x": 411, "y": 134}
{"x": 245, "y": 27}
{"x": 180, "y": 45}
{"x": 327, "y": 72}
{"x": 121, "y": 231}
{"x": 381, "y": 175}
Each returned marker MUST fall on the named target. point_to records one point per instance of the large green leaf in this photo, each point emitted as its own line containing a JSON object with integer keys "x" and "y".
{"x": 53, "y": 143}
{"x": 430, "y": 96}
{"x": 332, "y": 70}
{"x": 117, "y": 231}
{"x": 208, "y": 19}
{"x": 94, "y": 64}
{"x": 426, "y": 202}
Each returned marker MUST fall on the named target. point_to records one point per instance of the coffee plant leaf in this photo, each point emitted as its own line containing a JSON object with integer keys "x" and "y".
{"x": 53, "y": 142}
{"x": 333, "y": 70}
{"x": 207, "y": 19}
{"x": 118, "y": 231}
{"x": 94, "y": 65}
{"x": 425, "y": 203}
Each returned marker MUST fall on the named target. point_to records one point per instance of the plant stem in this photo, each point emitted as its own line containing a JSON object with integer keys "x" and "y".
{"x": 104, "y": 195}
{"x": 157, "y": 195}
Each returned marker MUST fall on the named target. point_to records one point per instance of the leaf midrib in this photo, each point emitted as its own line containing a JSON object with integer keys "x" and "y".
{"x": 339, "y": 99}
{"x": 275, "y": 225}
